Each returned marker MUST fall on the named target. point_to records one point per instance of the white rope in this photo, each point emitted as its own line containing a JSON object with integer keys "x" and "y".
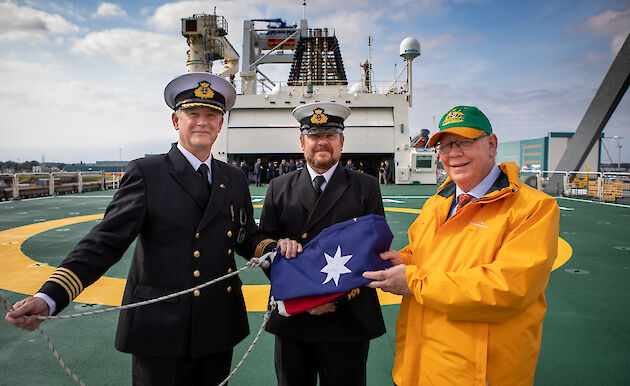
{"x": 266, "y": 317}
{"x": 253, "y": 262}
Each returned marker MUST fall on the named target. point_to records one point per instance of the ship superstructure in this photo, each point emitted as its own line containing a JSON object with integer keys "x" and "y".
{"x": 261, "y": 125}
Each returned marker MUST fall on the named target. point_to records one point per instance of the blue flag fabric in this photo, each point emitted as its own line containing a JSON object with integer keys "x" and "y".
{"x": 334, "y": 260}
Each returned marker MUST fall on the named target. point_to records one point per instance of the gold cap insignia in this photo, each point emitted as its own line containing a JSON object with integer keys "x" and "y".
{"x": 319, "y": 117}
{"x": 453, "y": 117}
{"x": 204, "y": 91}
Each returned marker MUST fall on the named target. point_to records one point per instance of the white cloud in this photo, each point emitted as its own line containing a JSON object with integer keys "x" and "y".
{"x": 167, "y": 17}
{"x": 609, "y": 24}
{"x": 30, "y": 25}
{"x": 109, "y": 9}
{"x": 136, "y": 50}
{"x": 617, "y": 42}
{"x": 72, "y": 120}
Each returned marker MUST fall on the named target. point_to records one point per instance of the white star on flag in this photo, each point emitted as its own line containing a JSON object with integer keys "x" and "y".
{"x": 335, "y": 266}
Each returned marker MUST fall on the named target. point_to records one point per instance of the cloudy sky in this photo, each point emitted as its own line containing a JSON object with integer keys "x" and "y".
{"x": 83, "y": 80}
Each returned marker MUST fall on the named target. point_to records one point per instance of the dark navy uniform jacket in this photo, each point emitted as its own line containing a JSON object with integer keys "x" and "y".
{"x": 179, "y": 245}
{"x": 292, "y": 210}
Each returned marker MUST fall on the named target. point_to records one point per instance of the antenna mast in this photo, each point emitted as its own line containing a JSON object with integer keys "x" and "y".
{"x": 369, "y": 69}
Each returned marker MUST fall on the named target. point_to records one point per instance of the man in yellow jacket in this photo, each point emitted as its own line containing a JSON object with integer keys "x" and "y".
{"x": 475, "y": 270}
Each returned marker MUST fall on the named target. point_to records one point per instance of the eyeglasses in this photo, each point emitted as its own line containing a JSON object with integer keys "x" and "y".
{"x": 464, "y": 144}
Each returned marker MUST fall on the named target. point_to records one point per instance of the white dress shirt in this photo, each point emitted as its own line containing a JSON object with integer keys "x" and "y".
{"x": 327, "y": 175}
{"x": 194, "y": 161}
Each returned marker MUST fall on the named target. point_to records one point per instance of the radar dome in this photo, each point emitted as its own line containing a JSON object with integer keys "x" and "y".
{"x": 357, "y": 88}
{"x": 410, "y": 48}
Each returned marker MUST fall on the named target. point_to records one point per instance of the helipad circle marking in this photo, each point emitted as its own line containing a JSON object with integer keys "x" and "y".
{"x": 109, "y": 290}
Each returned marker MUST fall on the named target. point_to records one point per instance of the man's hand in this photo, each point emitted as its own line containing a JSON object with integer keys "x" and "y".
{"x": 393, "y": 256}
{"x": 30, "y": 307}
{"x": 289, "y": 248}
{"x": 392, "y": 280}
{"x": 323, "y": 309}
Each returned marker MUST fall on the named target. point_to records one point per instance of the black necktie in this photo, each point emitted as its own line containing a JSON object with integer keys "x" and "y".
{"x": 203, "y": 173}
{"x": 319, "y": 181}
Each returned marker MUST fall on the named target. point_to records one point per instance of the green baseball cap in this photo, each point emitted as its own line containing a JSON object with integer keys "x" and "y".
{"x": 467, "y": 121}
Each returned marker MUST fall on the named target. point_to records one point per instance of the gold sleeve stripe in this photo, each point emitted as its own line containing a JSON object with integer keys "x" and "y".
{"x": 260, "y": 248}
{"x": 69, "y": 279}
{"x": 73, "y": 276}
{"x": 61, "y": 283}
{"x": 69, "y": 283}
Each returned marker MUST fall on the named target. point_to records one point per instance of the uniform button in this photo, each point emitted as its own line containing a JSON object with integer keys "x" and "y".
{"x": 229, "y": 234}
{"x": 196, "y": 254}
{"x": 197, "y": 293}
{"x": 197, "y": 235}
{"x": 304, "y": 235}
{"x": 196, "y": 273}
{"x": 229, "y": 270}
{"x": 229, "y": 289}
{"x": 229, "y": 251}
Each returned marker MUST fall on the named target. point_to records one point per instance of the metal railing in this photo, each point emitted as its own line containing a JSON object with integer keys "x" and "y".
{"x": 602, "y": 186}
{"x": 353, "y": 87}
{"x": 15, "y": 186}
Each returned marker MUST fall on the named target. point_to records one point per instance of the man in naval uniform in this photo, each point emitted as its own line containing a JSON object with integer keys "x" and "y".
{"x": 190, "y": 214}
{"x": 332, "y": 340}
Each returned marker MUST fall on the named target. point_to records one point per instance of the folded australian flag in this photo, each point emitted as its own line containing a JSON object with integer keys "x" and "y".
{"x": 331, "y": 264}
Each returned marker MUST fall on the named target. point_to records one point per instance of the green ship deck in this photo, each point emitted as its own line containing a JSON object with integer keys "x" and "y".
{"x": 586, "y": 339}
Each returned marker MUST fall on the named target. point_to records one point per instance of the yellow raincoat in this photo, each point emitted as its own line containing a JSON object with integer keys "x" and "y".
{"x": 478, "y": 281}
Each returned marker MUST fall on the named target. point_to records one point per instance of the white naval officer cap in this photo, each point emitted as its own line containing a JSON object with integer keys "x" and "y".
{"x": 200, "y": 89}
{"x": 321, "y": 117}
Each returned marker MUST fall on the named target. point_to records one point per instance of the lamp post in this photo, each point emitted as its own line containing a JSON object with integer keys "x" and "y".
{"x": 618, "y": 150}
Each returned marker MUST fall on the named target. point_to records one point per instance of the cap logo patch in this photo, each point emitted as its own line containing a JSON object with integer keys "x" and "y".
{"x": 319, "y": 118}
{"x": 204, "y": 91}
{"x": 453, "y": 117}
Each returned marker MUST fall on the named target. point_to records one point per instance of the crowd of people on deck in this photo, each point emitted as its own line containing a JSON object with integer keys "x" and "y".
{"x": 262, "y": 172}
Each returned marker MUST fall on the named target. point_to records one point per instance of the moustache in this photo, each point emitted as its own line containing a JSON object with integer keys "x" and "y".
{"x": 324, "y": 148}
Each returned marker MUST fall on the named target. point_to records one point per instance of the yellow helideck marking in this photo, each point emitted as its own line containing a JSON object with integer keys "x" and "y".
{"x": 21, "y": 274}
